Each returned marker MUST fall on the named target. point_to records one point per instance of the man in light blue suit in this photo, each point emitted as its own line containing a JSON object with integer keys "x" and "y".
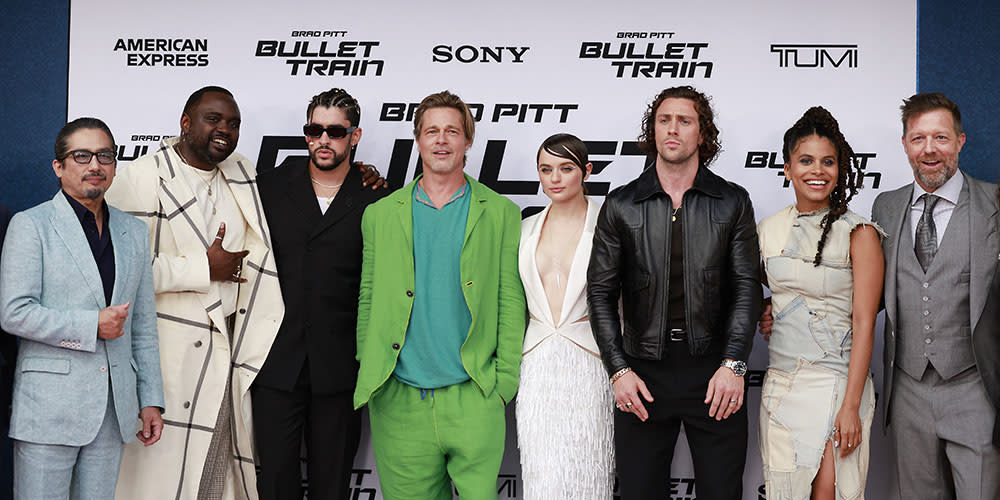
{"x": 76, "y": 285}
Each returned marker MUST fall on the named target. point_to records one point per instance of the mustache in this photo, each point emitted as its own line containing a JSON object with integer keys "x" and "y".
{"x": 98, "y": 175}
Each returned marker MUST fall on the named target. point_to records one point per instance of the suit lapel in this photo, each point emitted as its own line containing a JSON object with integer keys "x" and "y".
{"x": 404, "y": 216}
{"x": 240, "y": 179}
{"x": 186, "y": 223}
{"x": 342, "y": 204}
{"x": 477, "y": 206}
{"x": 577, "y": 279}
{"x": 983, "y": 248}
{"x": 67, "y": 225}
{"x": 898, "y": 221}
{"x": 538, "y": 300}
{"x": 301, "y": 199}
{"x": 120, "y": 244}
{"x": 180, "y": 205}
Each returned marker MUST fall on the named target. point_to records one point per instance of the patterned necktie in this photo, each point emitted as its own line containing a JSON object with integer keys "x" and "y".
{"x": 926, "y": 243}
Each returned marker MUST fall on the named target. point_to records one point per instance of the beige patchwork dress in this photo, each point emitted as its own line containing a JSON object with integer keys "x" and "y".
{"x": 809, "y": 353}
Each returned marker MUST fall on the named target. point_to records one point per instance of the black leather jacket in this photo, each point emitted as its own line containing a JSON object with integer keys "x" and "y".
{"x": 631, "y": 258}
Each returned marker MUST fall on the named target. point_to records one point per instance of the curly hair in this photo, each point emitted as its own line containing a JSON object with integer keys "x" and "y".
{"x": 710, "y": 145}
{"x": 818, "y": 121}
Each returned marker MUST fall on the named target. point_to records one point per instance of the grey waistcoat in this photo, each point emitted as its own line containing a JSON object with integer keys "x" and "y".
{"x": 933, "y": 307}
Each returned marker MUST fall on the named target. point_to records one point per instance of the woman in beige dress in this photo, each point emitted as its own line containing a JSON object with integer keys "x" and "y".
{"x": 823, "y": 264}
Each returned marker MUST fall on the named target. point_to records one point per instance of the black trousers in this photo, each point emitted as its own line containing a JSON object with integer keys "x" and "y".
{"x": 332, "y": 431}
{"x": 644, "y": 450}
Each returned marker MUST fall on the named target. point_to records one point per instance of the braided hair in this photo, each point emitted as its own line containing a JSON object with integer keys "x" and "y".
{"x": 818, "y": 121}
{"x": 336, "y": 98}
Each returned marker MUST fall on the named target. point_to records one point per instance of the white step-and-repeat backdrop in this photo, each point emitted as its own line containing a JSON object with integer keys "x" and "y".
{"x": 528, "y": 69}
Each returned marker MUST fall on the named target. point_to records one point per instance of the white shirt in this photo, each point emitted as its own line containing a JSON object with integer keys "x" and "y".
{"x": 217, "y": 208}
{"x": 324, "y": 203}
{"x": 948, "y": 193}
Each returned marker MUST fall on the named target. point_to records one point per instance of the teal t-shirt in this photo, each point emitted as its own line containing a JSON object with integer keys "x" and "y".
{"x": 440, "y": 318}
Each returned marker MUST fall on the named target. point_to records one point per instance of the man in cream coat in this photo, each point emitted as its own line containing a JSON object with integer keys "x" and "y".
{"x": 218, "y": 303}
{"x": 76, "y": 287}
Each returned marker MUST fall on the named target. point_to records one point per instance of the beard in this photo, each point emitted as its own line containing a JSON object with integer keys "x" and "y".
{"x": 334, "y": 162}
{"x": 93, "y": 193}
{"x": 935, "y": 179}
{"x": 206, "y": 152}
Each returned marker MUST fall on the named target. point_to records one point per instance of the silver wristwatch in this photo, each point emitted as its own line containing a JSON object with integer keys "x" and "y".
{"x": 738, "y": 367}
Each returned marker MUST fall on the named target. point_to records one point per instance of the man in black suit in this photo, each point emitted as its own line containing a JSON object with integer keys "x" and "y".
{"x": 314, "y": 209}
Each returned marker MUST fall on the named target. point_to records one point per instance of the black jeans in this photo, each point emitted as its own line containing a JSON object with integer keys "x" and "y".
{"x": 644, "y": 450}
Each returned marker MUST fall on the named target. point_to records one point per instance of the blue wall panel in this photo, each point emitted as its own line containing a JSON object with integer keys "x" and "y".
{"x": 34, "y": 52}
{"x": 958, "y": 46}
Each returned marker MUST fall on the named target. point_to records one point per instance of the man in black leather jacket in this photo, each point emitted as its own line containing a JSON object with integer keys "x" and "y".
{"x": 679, "y": 246}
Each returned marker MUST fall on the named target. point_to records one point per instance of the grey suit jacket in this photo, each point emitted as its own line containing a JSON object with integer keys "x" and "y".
{"x": 50, "y": 296}
{"x": 891, "y": 210}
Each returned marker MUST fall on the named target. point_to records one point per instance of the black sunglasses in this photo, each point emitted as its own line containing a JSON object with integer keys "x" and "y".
{"x": 334, "y": 131}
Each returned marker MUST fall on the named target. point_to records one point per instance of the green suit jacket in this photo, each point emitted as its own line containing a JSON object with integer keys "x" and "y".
{"x": 491, "y": 353}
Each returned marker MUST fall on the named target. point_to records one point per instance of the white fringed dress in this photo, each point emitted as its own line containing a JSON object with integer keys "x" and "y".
{"x": 564, "y": 403}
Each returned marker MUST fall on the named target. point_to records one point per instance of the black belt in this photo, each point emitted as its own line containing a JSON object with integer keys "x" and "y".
{"x": 677, "y": 335}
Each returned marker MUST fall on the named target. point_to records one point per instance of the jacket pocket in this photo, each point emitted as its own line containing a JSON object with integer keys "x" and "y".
{"x": 48, "y": 365}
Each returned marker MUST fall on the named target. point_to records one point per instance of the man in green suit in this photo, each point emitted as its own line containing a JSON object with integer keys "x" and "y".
{"x": 440, "y": 320}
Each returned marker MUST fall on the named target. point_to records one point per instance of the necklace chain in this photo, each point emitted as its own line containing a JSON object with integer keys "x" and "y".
{"x": 177, "y": 149}
{"x": 208, "y": 183}
{"x": 318, "y": 183}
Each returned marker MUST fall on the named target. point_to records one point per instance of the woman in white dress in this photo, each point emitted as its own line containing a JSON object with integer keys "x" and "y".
{"x": 564, "y": 403}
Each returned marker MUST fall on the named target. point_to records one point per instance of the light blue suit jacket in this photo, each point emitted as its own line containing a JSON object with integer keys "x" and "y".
{"x": 50, "y": 296}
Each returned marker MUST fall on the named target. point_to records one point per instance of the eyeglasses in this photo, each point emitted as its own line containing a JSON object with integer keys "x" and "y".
{"x": 82, "y": 156}
{"x": 334, "y": 131}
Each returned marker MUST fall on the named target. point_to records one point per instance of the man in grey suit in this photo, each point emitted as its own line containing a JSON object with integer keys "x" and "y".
{"x": 77, "y": 286}
{"x": 942, "y": 356}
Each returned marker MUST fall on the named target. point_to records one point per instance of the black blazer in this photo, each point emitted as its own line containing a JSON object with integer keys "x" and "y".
{"x": 319, "y": 267}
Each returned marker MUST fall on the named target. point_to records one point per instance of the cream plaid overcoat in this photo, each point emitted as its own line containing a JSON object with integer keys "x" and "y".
{"x": 196, "y": 350}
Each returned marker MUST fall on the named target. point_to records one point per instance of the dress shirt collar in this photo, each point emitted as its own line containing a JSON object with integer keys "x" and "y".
{"x": 950, "y": 191}
{"x": 83, "y": 213}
